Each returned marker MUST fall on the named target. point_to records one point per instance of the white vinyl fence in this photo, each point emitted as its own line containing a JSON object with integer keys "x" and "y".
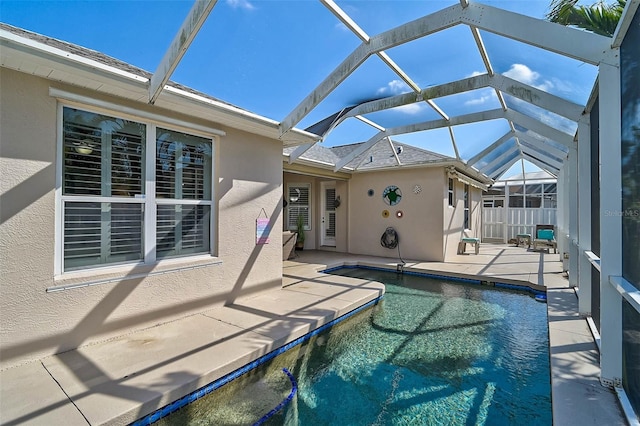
{"x": 504, "y": 223}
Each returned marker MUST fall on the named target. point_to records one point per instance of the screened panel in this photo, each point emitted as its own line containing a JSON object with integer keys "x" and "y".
{"x": 182, "y": 229}
{"x": 595, "y": 296}
{"x": 631, "y": 353}
{"x": 102, "y": 233}
{"x": 183, "y": 166}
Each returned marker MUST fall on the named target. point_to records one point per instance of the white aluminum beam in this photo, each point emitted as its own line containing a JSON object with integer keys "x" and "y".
{"x": 540, "y": 153}
{"x": 547, "y": 168}
{"x": 473, "y": 117}
{"x": 581, "y": 45}
{"x": 181, "y": 42}
{"x": 395, "y": 153}
{"x": 539, "y": 128}
{"x": 497, "y": 81}
{"x": 543, "y": 158}
{"x": 346, "y": 20}
{"x": 497, "y": 173}
{"x": 537, "y": 97}
{"x": 418, "y": 127}
{"x": 453, "y": 142}
{"x": 625, "y": 22}
{"x": 610, "y": 224}
{"x": 572, "y": 249}
{"x": 541, "y": 144}
{"x": 299, "y": 152}
{"x": 499, "y": 161}
{"x": 584, "y": 218}
{"x": 483, "y": 51}
{"x": 473, "y": 160}
{"x": 370, "y": 123}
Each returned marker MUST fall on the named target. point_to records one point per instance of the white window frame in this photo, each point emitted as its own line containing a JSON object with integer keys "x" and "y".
{"x": 451, "y": 192}
{"x": 152, "y": 122}
{"x": 307, "y": 185}
{"x": 467, "y": 207}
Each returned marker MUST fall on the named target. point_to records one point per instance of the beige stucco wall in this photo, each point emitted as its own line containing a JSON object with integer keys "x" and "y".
{"x": 453, "y": 229}
{"x": 420, "y": 228}
{"x": 34, "y": 323}
{"x": 313, "y": 239}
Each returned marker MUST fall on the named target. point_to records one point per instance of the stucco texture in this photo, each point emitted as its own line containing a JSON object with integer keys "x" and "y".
{"x": 35, "y": 323}
{"x": 419, "y": 229}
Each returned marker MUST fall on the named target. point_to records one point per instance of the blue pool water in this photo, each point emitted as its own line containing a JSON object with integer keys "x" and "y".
{"x": 432, "y": 352}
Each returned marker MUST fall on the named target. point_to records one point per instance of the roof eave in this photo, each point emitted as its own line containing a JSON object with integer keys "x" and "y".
{"x": 34, "y": 57}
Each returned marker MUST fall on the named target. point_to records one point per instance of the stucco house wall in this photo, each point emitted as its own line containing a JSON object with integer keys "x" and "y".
{"x": 419, "y": 229}
{"x": 313, "y": 240}
{"x": 36, "y": 323}
{"x": 453, "y": 225}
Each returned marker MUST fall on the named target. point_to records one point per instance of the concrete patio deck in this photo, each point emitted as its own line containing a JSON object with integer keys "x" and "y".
{"x": 121, "y": 380}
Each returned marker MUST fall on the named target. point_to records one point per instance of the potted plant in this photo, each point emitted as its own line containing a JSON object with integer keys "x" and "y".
{"x": 300, "y": 232}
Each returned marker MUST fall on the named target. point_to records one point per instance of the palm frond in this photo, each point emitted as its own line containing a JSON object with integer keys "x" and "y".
{"x": 600, "y": 18}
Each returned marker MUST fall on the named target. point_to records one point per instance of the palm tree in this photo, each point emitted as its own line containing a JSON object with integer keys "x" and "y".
{"x": 600, "y": 18}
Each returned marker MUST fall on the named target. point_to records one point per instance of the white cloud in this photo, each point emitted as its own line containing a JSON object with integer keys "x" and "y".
{"x": 241, "y": 4}
{"x": 475, "y": 73}
{"x": 478, "y": 101}
{"x": 397, "y": 87}
{"x": 526, "y": 75}
{"x": 411, "y": 109}
{"x": 394, "y": 87}
{"x": 484, "y": 96}
{"x": 342, "y": 27}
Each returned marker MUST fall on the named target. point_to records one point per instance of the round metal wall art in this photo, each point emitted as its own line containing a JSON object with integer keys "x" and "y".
{"x": 370, "y": 192}
{"x": 417, "y": 189}
{"x": 392, "y": 195}
{"x": 399, "y": 214}
{"x": 385, "y": 213}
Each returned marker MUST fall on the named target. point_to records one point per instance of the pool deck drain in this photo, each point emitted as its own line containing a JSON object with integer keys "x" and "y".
{"x": 123, "y": 379}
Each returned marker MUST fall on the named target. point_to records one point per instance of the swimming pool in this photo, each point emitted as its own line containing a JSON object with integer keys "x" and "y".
{"x": 431, "y": 352}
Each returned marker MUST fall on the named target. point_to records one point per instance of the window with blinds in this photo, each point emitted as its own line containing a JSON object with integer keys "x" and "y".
{"x": 299, "y": 205}
{"x": 103, "y": 191}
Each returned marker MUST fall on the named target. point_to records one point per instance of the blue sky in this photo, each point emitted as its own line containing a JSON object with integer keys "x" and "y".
{"x": 266, "y": 56}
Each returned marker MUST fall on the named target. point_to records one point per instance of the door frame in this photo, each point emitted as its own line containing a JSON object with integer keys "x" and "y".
{"x": 324, "y": 241}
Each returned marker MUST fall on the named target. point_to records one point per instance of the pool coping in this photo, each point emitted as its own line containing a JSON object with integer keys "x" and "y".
{"x": 460, "y": 278}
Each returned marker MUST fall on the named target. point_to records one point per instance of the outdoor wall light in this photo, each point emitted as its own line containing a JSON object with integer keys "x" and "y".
{"x": 336, "y": 202}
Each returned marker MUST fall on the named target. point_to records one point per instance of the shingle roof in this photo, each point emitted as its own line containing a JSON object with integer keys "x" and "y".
{"x": 381, "y": 155}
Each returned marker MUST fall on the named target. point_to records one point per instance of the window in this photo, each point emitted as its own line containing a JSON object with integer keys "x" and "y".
{"x": 126, "y": 182}
{"x": 492, "y": 202}
{"x": 549, "y": 199}
{"x": 467, "y": 212}
{"x": 516, "y": 196}
{"x": 299, "y": 205}
{"x": 183, "y": 193}
{"x": 534, "y": 195}
{"x": 451, "y": 191}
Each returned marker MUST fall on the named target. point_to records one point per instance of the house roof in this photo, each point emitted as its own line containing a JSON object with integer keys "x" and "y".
{"x": 386, "y": 154}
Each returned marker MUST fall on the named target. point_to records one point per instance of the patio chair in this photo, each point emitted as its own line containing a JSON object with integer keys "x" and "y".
{"x": 545, "y": 236}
